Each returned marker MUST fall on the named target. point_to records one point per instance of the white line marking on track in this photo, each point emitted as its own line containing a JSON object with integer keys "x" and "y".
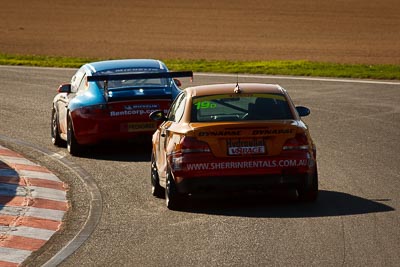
{"x": 255, "y": 76}
{"x": 16, "y": 160}
{"x": 55, "y": 215}
{"x": 48, "y": 193}
{"x": 39, "y": 175}
{"x": 30, "y": 232}
{"x": 13, "y": 255}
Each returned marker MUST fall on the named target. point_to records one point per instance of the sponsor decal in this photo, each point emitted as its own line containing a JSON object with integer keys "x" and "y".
{"x": 247, "y": 164}
{"x": 133, "y": 112}
{"x": 142, "y": 106}
{"x": 140, "y": 126}
{"x": 246, "y": 150}
{"x": 205, "y": 105}
{"x": 127, "y": 70}
{"x": 254, "y": 132}
{"x": 272, "y": 131}
{"x": 219, "y": 133}
{"x": 245, "y": 147}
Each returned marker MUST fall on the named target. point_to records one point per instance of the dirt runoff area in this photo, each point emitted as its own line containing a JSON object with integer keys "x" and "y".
{"x": 344, "y": 31}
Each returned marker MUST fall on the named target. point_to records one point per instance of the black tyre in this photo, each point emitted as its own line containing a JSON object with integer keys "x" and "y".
{"x": 55, "y": 132}
{"x": 156, "y": 189}
{"x": 72, "y": 145}
{"x": 173, "y": 199}
{"x": 309, "y": 192}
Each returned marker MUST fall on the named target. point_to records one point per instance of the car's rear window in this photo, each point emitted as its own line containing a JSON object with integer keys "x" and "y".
{"x": 238, "y": 107}
{"x": 134, "y": 83}
{"x": 137, "y": 83}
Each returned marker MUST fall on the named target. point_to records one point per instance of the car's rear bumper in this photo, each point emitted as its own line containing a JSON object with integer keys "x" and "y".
{"x": 291, "y": 169}
{"x": 116, "y": 121}
{"x": 95, "y": 130}
{"x": 241, "y": 183}
{"x": 91, "y": 139}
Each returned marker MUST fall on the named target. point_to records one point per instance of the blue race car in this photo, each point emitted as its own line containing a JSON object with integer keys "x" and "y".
{"x": 112, "y": 100}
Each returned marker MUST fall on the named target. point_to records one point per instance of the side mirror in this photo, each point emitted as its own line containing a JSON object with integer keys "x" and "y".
{"x": 64, "y": 88}
{"x": 178, "y": 82}
{"x": 157, "y": 115}
{"x": 303, "y": 111}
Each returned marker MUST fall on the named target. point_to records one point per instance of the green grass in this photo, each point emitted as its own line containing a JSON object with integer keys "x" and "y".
{"x": 276, "y": 67}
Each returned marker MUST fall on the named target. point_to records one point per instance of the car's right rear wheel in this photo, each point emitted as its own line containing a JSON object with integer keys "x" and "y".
{"x": 309, "y": 191}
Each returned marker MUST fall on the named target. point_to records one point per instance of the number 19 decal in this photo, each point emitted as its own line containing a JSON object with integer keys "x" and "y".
{"x": 205, "y": 105}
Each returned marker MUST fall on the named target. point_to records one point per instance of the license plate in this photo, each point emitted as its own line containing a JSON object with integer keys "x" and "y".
{"x": 139, "y": 126}
{"x": 245, "y": 147}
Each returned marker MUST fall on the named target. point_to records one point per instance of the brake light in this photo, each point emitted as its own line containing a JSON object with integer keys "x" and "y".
{"x": 299, "y": 142}
{"x": 187, "y": 145}
{"x": 95, "y": 109}
{"x": 192, "y": 145}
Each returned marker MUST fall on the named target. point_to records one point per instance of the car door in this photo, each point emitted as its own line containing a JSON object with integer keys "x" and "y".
{"x": 175, "y": 114}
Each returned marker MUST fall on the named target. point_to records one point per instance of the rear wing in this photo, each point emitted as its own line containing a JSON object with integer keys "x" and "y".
{"x": 142, "y": 75}
{"x": 134, "y": 76}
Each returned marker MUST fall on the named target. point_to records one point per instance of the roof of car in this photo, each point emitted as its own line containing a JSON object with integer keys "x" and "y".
{"x": 231, "y": 88}
{"x": 101, "y": 66}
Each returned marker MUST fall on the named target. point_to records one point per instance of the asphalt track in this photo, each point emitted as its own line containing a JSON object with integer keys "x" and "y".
{"x": 355, "y": 222}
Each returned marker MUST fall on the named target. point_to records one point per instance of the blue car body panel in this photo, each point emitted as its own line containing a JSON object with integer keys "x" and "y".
{"x": 113, "y": 99}
{"x": 94, "y": 94}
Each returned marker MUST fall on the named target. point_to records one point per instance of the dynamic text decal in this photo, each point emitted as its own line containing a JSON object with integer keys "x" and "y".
{"x": 272, "y": 131}
{"x": 219, "y": 133}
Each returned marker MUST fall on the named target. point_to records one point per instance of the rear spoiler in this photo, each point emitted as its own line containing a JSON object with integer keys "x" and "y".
{"x": 133, "y": 76}
{"x": 142, "y": 75}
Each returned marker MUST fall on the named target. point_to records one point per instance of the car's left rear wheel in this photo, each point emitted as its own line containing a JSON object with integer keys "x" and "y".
{"x": 173, "y": 198}
{"x": 72, "y": 145}
{"x": 55, "y": 132}
{"x": 156, "y": 189}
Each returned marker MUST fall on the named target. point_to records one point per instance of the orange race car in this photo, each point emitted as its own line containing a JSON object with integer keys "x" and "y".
{"x": 227, "y": 137}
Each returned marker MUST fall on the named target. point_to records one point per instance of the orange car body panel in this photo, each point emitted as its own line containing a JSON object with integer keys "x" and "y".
{"x": 242, "y": 148}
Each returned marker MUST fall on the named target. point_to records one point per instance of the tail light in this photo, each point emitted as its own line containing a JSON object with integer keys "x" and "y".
{"x": 95, "y": 109}
{"x": 187, "y": 145}
{"x": 192, "y": 145}
{"x": 299, "y": 142}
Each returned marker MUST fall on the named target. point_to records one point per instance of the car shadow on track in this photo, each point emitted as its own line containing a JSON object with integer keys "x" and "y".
{"x": 119, "y": 151}
{"x": 9, "y": 180}
{"x": 329, "y": 203}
